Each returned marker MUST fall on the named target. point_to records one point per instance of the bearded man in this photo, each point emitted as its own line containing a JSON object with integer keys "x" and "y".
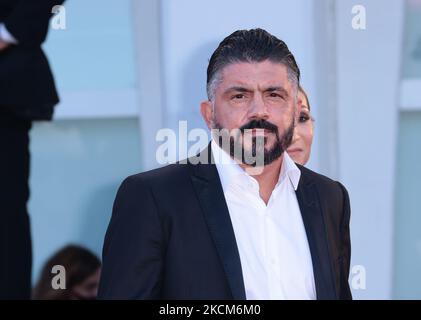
{"x": 240, "y": 220}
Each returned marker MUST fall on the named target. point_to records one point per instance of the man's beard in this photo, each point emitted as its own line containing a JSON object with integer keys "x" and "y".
{"x": 258, "y": 150}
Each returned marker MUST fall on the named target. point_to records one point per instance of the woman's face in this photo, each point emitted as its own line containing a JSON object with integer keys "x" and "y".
{"x": 88, "y": 289}
{"x": 300, "y": 148}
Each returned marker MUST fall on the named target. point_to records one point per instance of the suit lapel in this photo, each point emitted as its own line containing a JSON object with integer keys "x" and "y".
{"x": 317, "y": 238}
{"x": 209, "y": 191}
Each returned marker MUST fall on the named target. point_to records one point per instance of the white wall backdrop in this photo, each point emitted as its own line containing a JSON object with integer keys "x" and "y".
{"x": 368, "y": 76}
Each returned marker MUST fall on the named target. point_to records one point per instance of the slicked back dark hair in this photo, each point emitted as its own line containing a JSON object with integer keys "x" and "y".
{"x": 255, "y": 45}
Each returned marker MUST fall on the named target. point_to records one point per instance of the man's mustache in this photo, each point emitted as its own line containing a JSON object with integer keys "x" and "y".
{"x": 259, "y": 124}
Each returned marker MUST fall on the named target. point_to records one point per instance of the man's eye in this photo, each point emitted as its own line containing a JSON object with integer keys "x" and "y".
{"x": 238, "y": 96}
{"x": 274, "y": 95}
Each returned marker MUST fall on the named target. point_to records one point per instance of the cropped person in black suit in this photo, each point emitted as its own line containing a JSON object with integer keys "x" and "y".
{"x": 234, "y": 225}
{"x": 27, "y": 93}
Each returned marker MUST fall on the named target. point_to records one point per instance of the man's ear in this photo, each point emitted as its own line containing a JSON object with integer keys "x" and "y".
{"x": 206, "y": 109}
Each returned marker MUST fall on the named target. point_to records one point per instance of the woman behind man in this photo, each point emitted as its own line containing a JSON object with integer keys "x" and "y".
{"x": 300, "y": 148}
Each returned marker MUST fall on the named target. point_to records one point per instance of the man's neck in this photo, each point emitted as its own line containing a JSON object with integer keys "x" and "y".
{"x": 267, "y": 178}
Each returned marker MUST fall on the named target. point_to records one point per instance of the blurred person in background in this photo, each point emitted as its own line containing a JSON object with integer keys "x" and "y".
{"x": 27, "y": 93}
{"x": 300, "y": 148}
{"x": 82, "y": 269}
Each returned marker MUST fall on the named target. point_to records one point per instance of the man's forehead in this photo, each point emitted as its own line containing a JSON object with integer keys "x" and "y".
{"x": 262, "y": 74}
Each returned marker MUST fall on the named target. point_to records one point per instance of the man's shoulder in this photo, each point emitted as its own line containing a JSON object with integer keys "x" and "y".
{"x": 323, "y": 182}
{"x": 175, "y": 172}
{"x": 172, "y": 176}
{"x": 331, "y": 193}
{"x": 165, "y": 173}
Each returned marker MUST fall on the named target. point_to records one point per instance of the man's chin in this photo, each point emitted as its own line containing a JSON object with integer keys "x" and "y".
{"x": 261, "y": 157}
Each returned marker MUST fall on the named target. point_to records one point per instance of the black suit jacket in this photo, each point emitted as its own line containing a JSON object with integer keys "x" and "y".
{"x": 27, "y": 86}
{"x": 171, "y": 237}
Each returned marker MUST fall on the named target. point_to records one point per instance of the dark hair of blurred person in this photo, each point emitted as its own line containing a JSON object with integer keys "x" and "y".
{"x": 82, "y": 275}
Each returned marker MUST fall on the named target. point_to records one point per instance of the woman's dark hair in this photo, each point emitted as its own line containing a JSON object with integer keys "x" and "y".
{"x": 255, "y": 45}
{"x": 79, "y": 264}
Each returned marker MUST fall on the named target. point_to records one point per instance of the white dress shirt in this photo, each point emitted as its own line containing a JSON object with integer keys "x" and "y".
{"x": 271, "y": 239}
{"x": 6, "y": 36}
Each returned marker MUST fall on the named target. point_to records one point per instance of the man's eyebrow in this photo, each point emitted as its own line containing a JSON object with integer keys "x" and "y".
{"x": 237, "y": 89}
{"x": 245, "y": 90}
{"x": 275, "y": 88}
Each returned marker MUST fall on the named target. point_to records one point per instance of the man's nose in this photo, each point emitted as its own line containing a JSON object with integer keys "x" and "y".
{"x": 258, "y": 109}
